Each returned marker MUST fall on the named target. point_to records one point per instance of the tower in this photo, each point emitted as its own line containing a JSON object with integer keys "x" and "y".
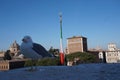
{"x": 76, "y": 44}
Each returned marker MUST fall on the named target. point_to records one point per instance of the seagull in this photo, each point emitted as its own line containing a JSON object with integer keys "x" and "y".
{"x": 33, "y": 50}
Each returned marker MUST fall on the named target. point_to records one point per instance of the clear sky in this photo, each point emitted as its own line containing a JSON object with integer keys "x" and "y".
{"x": 98, "y": 20}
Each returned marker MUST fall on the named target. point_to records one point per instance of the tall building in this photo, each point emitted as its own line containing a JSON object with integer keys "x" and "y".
{"x": 76, "y": 44}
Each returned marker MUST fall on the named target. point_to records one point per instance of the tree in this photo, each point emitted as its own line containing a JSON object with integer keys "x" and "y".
{"x": 79, "y": 57}
{"x": 7, "y": 55}
{"x": 54, "y": 52}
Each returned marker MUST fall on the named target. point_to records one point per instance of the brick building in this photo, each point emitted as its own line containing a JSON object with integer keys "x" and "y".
{"x": 76, "y": 44}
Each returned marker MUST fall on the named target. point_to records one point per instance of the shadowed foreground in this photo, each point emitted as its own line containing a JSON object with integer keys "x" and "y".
{"x": 80, "y": 72}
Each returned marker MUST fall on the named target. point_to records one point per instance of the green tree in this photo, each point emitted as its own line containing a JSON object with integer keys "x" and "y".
{"x": 48, "y": 62}
{"x": 54, "y": 52}
{"x": 43, "y": 62}
{"x": 80, "y": 57}
{"x": 7, "y": 55}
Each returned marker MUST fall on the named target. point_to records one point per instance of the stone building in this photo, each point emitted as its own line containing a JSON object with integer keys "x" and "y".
{"x": 112, "y": 47}
{"x": 76, "y": 44}
{"x": 14, "y": 48}
{"x": 113, "y": 54}
{"x": 2, "y": 55}
{"x": 11, "y": 64}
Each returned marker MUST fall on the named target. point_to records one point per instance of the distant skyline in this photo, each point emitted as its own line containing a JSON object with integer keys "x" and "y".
{"x": 98, "y": 20}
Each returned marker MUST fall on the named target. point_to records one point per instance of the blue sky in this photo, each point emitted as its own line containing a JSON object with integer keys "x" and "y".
{"x": 98, "y": 20}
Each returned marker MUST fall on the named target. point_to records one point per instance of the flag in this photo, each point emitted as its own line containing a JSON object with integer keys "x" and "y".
{"x": 61, "y": 44}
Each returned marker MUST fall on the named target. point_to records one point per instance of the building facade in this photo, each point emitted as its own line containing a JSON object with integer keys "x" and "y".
{"x": 2, "y": 53}
{"x": 113, "y": 54}
{"x": 11, "y": 64}
{"x": 76, "y": 44}
{"x": 112, "y": 47}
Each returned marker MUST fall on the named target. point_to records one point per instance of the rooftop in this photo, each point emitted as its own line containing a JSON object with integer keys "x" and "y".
{"x": 76, "y": 37}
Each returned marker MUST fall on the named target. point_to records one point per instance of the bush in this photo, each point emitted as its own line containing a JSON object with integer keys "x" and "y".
{"x": 43, "y": 62}
{"x": 7, "y": 55}
{"x": 48, "y": 62}
{"x": 30, "y": 63}
{"x": 81, "y": 57}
